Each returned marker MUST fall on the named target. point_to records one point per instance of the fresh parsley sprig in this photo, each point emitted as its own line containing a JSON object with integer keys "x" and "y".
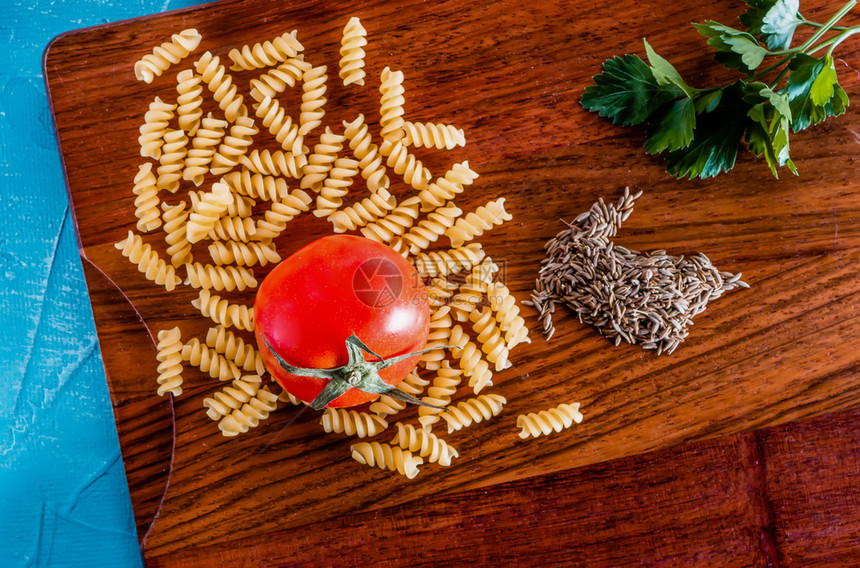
{"x": 701, "y": 130}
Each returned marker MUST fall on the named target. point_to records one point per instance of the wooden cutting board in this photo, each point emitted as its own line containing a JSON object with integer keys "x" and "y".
{"x": 510, "y": 74}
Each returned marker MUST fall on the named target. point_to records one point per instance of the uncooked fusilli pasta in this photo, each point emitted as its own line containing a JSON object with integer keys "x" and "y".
{"x": 155, "y": 123}
{"x": 351, "y": 53}
{"x": 244, "y": 254}
{"x": 249, "y": 416}
{"x": 277, "y": 163}
{"x": 221, "y": 85}
{"x": 167, "y": 54}
{"x": 219, "y": 277}
{"x": 405, "y": 164}
{"x": 321, "y": 160}
{"x": 440, "y": 393}
{"x": 365, "y": 211}
{"x": 234, "y": 146}
{"x": 232, "y": 397}
{"x": 169, "y": 362}
{"x": 445, "y": 188}
{"x": 452, "y": 261}
{"x": 469, "y": 358}
{"x": 224, "y": 312}
{"x": 367, "y": 154}
{"x": 203, "y": 146}
{"x": 146, "y": 202}
{"x": 425, "y": 444}
{"x": 545, "y": 422}
{"x": 209, "y": 361}
{"x": 385, "y": 456}
{"x": 473, "y": 410}
{"x": 507, "y": 314}
{"x": 391, "y": 105}
{"x": 335, "y": 186}
{"x": 280, "y": 125}
{"x": 490, "y": 338}
{"x": 189, "y": 100}
{"x": 148, "y": 261}
{"x": 313, "y": 99}
{"x": 281, "y": 212}
{"x": 393, "y": 224}
{"x": 287, "y": 74}
{"x": 475, "y": 223}
{"x": 352, "y": 422}
{"x": 431, "y": 228}
{"x": 265, "y": 54}
{"x": 429, "y": 134}
{"x": 172, "y": 160}
{"x": 175, "y": 235}
{"x": 206, "y": 212}
{"x": 235, "y": 349}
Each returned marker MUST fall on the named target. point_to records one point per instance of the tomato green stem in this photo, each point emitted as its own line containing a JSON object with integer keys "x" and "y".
{"x": 358, "y": 373}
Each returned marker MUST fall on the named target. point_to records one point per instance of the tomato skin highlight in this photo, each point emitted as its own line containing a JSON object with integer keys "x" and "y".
{"x": 332, "y": 288}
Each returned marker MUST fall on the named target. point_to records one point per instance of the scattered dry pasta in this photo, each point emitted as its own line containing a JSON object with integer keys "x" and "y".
{"x": 224, "y": 202}
{"x": 545, "y": 422}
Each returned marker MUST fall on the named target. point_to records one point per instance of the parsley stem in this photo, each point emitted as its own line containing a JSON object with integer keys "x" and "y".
{"x": 828, "y": 25}
{"x": 836, "y": 40}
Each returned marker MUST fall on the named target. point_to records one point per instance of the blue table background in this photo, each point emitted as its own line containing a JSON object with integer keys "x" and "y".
{"x": 63, "y": 495}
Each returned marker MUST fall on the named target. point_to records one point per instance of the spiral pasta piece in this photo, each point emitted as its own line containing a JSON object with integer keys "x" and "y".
{"x": 234, "y": 228}
{"x": 475, "y": 223}
{"x": 365, "y": 211}
{"x": 352, "y": 422}
{"x": 209, "y": 361}
{"x": 203, "y": 146}
{"x": 250, "y": 415}
{"x": 175, "y": 234}
{"x": 239, "y": 205}
{"x": 155, "y": 123}
{"x": 146, "y": 202}
{"x": 452, "y": 261}
{"x": 507, "y": 314}
{"x": 391, "y": 105}
{"x": 244, "y": 254}
{"x": 172, "y": 160}
{"x": 280, "y": 125}
{"x": 447, "y": 187}
{"x": 386, "y": 406}
{"x": 232, "y": 397}
{"x": 313, "y": 99}
{"x": 473, "y": 410}
{"x": 287, "y": 74}
{"x": 351, "y": 53}
{"x": 335, "y": 186}
{"x": 321, "y": 160}
{"x": 206, "y": 212}
{"x": 234, "y": 146}
{"x": 385, "y": 456}
{"x": 545, "y": 422}
{"x": 282, "y": 212}
{"x": 440, "y": 327}
{"x": 257, "y": 186}
{"x": 220, "y": 83}
{"x": 431, "y": 135}
{"x": 223, "y": 312}
{"x": 431, "y": 228}
{"x": 472, "y": 291}
{"x": 439, "y": 292}
{"x": 153, "y": 64}
{"x": 278, "y": 163}
{"x": 469, "y": 358}
{"x": 393, "y": 224}
{"x": 147, "y": 260}
{"x": 405, "y": 164}
{"x": 266, "y": 54}
{"x": 189, "y": 100}
{"x": 367, "y": 154}
{"x": 490, "y": 338}
{"x": 169, "y": 357}
{"x": 219, "y": 277}
{"x": 441, "y": 391}
{"x": 425, "y": 444}
{"x": 234, "y": 348}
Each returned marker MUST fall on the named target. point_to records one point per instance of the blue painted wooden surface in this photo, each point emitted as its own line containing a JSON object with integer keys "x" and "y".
{"x": 63, "y": 495}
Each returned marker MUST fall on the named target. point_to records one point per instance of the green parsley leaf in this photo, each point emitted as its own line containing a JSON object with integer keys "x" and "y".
{"x": 742, "y": 47}
{"x": 708, "y": 101}
{"x": 779, "y": 23}
{"x": 759, "y": 143}
{"x": 627, "y": 92}
{"x": 675, "y": 128}
{"x": 753, "y": 18}
{"x": 822, "y": 87}
{"x": 805, "y": 71}
{"x": 714, "y": 148}
{"x": 664, "y": 72}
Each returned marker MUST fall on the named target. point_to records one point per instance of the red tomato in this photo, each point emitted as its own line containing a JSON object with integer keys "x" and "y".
{"x": 332, "y": 288}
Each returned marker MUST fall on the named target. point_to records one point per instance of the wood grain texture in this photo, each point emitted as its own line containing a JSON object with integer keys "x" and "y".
{"x": 511, "y": 75}
{"x": 756, "y": 499}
